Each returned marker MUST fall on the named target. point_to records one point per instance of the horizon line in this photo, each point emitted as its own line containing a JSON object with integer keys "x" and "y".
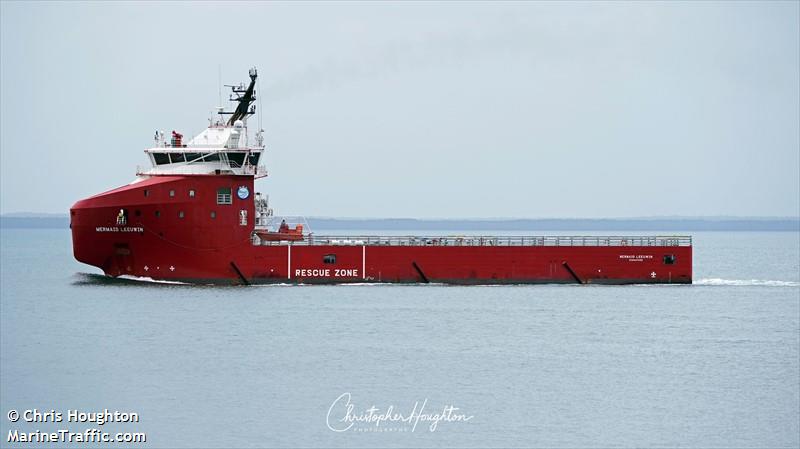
{"x": 324, "y": 217}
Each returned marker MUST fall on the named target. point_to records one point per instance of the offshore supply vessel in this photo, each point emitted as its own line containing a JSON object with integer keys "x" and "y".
{"x": 193, "y": 215}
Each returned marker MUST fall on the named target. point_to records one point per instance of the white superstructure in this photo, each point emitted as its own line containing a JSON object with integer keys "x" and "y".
{"x": 221, "y": 149}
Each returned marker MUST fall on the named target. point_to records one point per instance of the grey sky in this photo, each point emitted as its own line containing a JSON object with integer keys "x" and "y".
{"x": 421, "y": 109}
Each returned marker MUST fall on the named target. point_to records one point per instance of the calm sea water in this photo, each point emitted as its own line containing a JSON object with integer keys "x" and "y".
{"x": 714, "y": 364}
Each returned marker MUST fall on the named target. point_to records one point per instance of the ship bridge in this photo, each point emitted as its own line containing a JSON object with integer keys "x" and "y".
{"x": 224, "y": 148}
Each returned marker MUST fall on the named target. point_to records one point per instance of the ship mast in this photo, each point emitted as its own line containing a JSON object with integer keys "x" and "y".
{"x": 245, "y": 97}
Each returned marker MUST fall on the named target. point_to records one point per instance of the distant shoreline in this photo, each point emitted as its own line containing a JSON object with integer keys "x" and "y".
{"x": 788, "y": 224}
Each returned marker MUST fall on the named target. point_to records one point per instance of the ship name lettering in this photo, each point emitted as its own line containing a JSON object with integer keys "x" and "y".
{"x": 635, "y": 257}
{"x": 119, "y": 229}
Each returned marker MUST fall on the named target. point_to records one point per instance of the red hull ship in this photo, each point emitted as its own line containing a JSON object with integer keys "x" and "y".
{"x": 191, "y": 217}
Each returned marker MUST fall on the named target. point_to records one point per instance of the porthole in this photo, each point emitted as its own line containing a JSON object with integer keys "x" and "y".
{"x": 329, "y": 258}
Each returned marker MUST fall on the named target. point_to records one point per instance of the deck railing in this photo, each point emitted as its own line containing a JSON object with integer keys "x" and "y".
{"x": 478, "y": 240}
{"x": 259, "y": 171}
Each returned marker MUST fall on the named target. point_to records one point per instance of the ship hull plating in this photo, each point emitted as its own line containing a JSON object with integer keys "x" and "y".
{"x": 176, "y": 228}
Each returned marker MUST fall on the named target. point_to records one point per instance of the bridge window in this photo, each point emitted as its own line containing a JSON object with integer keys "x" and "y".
{"x": 224, "y": 195}
{"x": 192, "y": 156}
{"x": 236, "y": 159}
{"x": 177, "y": 157}
{"x": 211, "y": 157}
{"x": 669, "y": 259}
{"x": 253, "y": 158}
{"x": 161, "y": 158}
{"x": 329, "y": 258}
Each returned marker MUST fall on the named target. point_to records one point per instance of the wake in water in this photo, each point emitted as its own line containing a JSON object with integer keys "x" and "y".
{"x": 101, "y": 279}
{"x": 149, "y": 279}
{"x": 746, "y": 283}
